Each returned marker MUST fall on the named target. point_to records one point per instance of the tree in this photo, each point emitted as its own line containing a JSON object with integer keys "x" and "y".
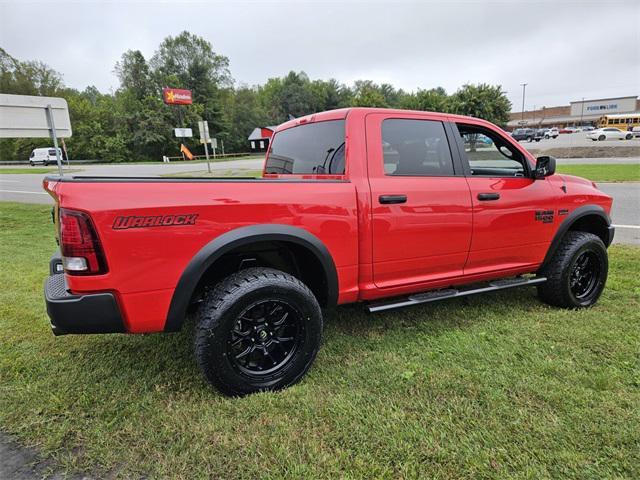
{"x": 134, "y": 74}
{"x": 484, "y": 101}
{"x": 368, "y": 94}
{"x": 433, "y": 100}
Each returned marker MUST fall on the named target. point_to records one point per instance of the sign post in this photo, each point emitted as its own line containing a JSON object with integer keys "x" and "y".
{"x": 54, "y": 137}
{"x": 27, "y": 116}
{"x": 203, "y": 126}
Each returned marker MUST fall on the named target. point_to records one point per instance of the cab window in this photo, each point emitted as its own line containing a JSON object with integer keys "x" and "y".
{"x": 313, "y": 148}
{"x": 488, "y": 154}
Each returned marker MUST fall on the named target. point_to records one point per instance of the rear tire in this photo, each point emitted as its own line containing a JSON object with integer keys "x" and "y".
{"x": 257, "y": 330}
{"x": 577, "y": 273}
{"x": 601, "y": 137}
{"x": 628, "y": 137}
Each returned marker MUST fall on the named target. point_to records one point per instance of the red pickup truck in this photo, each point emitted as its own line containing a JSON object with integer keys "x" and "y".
{"x": 387, "y": 207}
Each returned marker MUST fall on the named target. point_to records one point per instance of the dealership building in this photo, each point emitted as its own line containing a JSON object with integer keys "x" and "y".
{"x": 582, "y": 112}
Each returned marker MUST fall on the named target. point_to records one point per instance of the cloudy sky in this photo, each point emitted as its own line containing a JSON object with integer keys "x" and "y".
{"x": 564, "y": 50}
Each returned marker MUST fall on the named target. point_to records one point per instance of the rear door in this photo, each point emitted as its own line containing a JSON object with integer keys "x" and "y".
{"x": 421, "y": 207}
{"x": 513, "y": 214}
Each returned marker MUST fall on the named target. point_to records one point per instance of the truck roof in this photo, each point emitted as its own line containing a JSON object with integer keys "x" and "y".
{"x": 342, "y": 113}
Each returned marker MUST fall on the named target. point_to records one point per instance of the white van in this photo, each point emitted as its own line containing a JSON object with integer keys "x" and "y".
{"x": 45, "y": 156}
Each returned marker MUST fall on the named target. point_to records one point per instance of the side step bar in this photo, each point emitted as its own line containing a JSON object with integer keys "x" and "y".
{"x": 436, "y": 295}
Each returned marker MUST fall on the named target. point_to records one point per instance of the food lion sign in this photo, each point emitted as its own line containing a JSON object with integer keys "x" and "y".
{"x": 176, "y": 96}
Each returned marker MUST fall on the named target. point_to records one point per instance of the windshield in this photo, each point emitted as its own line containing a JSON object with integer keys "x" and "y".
{"x": 314, "y": 148}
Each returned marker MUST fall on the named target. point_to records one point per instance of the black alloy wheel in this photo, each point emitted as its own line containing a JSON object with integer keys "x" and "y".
{"x": 265, "y": 336}
{"x": 584, "y": 275}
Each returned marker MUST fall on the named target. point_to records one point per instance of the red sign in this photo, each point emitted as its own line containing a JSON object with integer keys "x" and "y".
{"x": 176, "y": 96}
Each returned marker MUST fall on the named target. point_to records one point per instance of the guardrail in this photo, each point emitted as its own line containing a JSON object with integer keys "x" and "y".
{"x": 197, "y": 158}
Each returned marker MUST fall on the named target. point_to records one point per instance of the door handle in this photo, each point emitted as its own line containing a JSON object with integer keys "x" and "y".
{"x": 488, "y": 196}
{"x": 392, "y": 199}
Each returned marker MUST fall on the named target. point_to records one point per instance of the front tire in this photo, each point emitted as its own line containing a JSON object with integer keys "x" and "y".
{"x": 257, "y": 330}
{"x": 601, "y": 137}
{"x": 577, "y": 273}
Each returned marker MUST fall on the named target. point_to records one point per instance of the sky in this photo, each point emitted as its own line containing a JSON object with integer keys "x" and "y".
{"x": 564, "y": 50}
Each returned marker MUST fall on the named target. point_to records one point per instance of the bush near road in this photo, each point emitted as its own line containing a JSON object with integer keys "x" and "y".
{"x": 486, "y": 387}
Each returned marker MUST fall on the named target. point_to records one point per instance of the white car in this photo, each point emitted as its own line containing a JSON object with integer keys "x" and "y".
{"x": 45, "y": 156}
{"x": 551, "y": 133}
{"x": 609, "y": 134}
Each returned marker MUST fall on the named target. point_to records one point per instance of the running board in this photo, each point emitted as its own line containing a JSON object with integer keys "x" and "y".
{"x": 436, "y": 295}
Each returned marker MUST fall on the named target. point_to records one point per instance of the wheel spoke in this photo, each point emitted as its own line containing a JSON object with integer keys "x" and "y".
{"x": 244, "y": 353}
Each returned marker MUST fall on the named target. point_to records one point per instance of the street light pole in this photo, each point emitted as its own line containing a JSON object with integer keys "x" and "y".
{"x": 582, "y": 111}
{"x": 524, "y": 86}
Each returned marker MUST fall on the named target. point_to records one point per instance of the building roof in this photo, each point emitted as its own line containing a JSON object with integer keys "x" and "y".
{"x": 257, "y": 134}
{"x": 603, "y": 99}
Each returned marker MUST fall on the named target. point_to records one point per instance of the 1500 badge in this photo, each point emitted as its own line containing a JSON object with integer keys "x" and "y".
{"x": 544, "y": 216}
{"x": 122, "y": 223}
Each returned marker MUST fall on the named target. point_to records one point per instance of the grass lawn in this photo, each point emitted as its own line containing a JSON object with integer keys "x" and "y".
{"x": 484, "y": 387}
{"x": 604, "y": 172}
{"x": 15, "y": 171}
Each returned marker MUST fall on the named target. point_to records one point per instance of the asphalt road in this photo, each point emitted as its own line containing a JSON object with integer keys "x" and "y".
{"x": 27, "y": 188}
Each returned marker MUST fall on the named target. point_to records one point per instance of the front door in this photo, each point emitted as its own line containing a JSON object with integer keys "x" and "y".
{"x": 513, "y": 214}
{"x": 421, "y": 208}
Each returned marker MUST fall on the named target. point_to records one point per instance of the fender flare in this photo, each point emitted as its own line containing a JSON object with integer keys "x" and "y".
{"x": 571, "y": 219}
{"x": 239, "y": 237}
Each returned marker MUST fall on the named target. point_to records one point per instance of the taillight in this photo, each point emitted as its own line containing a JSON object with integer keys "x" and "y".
{"x": 79, "y": 244}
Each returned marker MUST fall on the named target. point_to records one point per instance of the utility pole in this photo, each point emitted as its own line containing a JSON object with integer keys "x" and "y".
{"x": 524, "y": 86}
{"x": 582, "y": 111}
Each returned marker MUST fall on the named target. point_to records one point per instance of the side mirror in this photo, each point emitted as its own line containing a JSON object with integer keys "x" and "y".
{"x": 545, "y": 166}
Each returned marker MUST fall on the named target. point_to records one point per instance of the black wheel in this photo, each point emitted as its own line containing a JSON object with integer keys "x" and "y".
{"x": 537, "y": 139}
{"x": 259, "y": 329}
{"x": 31, "y": 164}
{"x": 577, "y": 272}
{"x": 529, "y": 139}
{"x": 601, "y": 137}
{"x": 546, "y": 137}
{"x": 628, "y": 137}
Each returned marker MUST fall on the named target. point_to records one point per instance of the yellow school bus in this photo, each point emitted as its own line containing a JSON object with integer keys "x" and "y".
{"x": 620, "y": 120}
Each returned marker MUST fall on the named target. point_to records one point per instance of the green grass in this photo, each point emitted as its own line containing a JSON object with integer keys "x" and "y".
{"x": 496, "y": 386}
{"x": 14, "y": 171}
{"x": 604, "y": 172}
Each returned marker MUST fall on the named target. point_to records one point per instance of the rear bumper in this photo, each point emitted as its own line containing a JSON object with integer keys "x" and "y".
{"x": 69, "y": 313}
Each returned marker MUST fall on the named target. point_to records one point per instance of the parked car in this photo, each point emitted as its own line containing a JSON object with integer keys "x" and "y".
{"x": 527, "y": 134}
{"x": 44, "y": 156}
{"x": 541, "y": 133}
{"x": 550, "y": 133}
{"x": 609, "y": 133}
{"x": 386, "y": 207}
{"x": 567, "y": 130}
{"x": 587, "y": 128}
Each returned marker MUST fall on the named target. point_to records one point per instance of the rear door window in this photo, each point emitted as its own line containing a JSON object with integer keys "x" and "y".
{"x": 313, "y": 148}
{"x": 415, "y": 148}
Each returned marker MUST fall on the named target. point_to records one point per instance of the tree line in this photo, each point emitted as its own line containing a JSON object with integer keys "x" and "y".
{"x": 133, "y": 123}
